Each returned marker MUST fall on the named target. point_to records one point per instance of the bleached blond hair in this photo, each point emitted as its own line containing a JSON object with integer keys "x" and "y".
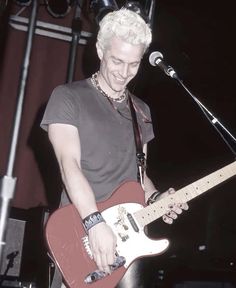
{"x": 125, "y": 24}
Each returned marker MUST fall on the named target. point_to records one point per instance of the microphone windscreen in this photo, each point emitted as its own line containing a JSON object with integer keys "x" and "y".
{"x": 154, "y": 56}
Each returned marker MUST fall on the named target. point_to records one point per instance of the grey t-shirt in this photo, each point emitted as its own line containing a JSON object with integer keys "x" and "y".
{"x": 108, "y": 152}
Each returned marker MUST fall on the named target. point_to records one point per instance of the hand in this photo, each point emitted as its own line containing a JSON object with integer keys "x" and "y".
{"x": 102, "y": 242}
{"x": 174, "y": 208}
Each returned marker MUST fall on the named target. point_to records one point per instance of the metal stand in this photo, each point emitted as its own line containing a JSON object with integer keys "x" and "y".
{"x": 220, "y": 128}
{"x": 8, "y": 182}
{"x": 76, "y": 31}
{"x": 213, "y": 120}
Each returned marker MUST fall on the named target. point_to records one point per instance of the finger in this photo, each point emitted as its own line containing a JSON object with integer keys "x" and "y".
{"x": 183, "y": 206}
{"x": 98, "y": 261}
{"x": 104, "y": 264}
{"x": 171, "y": 190}
{"x": 167, "y": 219}
{"x": 175, "y": 208}
{"x": 111, "y": 258}
{"x": 172, "y": 214}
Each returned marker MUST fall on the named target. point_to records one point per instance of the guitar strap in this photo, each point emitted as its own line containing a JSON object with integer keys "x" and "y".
{"x": 140, "y": 156}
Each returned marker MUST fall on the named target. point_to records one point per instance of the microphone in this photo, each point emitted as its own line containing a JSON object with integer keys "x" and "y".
{"x": 155, "y": 59}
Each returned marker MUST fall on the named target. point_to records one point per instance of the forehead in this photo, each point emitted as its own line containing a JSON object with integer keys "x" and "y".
{"x": 121, "y": 49}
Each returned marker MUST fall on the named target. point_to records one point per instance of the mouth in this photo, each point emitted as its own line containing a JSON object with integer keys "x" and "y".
{"x": 120, "y": 81}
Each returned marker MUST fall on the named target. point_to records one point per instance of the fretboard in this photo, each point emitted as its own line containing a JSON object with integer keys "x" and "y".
{"x": 185, "y": 194}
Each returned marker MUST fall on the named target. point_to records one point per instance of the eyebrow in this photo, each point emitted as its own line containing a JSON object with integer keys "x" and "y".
{"x": 115, "y": 58}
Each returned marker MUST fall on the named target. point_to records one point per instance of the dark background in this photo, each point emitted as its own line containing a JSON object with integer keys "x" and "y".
{"x": 197, "y": 39}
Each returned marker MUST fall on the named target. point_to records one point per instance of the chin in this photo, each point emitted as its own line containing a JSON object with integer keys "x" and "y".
{"x": 118, "y": 88}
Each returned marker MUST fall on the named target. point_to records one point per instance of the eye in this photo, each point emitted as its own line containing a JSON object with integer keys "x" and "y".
{"x": 116, "y": 61}
{"x": 134, "y": 65}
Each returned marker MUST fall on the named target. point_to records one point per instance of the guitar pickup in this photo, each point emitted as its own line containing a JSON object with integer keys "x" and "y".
{"x": 132, "y": 222}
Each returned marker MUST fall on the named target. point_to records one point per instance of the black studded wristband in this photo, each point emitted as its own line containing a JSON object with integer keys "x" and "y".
{"x": 92, "y": 220}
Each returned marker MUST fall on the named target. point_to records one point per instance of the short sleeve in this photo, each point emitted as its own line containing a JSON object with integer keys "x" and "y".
{"x": 60, "y": 108}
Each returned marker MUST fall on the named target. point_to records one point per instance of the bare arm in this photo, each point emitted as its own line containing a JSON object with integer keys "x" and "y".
{"x": 66, "y": 143}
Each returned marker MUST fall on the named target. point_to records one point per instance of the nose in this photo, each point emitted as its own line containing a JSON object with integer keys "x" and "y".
{"x": 124, "y": 70}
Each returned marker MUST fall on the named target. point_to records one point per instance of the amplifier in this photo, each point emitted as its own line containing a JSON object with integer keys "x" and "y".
{"x": 12, "y": 251}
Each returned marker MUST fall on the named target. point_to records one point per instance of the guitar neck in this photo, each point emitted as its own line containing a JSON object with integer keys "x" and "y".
{"x": 185, "y": 194}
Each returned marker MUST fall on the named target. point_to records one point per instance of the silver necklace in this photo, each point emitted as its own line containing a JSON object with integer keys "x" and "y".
{"x": 94, "y": 80}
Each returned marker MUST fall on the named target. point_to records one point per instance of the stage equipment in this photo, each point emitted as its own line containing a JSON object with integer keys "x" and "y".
{"x": 76, "y": 34}
{"x": 58, "y": 8}
{"x": 13, "y": 251}
{"x": 155, "y": 59}
{"x": 146, "y": 11}
{"x": 150, "y": 11}
{"x": 136, "y": 7}
{"x": 23, "y": 2}
{"x": 8, "y": 182}
{"x": 102, "y": 7}
{"x": 49, "y": 30}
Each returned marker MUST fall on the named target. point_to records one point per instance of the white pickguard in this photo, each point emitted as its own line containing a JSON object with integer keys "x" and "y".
{"x": 134, "y": 244}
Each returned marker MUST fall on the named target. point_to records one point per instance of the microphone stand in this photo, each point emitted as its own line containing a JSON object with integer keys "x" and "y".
{"x": 8, "y": 182}
{"x": 76, "y": 33}
{"x": 209, "y": 115}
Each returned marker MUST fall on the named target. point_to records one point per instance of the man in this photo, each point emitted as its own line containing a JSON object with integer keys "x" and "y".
{"x": 90, "y": 127}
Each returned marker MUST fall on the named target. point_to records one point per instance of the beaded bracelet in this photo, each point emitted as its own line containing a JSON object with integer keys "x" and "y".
{"x": 153, "y": 197}
{"x": 92, "y": 220}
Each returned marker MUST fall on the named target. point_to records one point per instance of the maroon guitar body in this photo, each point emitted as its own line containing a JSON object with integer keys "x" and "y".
{"x": 125, "y": 213}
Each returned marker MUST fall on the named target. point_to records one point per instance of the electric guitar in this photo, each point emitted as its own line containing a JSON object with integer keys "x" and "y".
{"x": 124, "y": 211}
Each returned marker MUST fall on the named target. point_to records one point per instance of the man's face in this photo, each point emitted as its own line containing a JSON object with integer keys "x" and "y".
{"x": 119, "y": 64}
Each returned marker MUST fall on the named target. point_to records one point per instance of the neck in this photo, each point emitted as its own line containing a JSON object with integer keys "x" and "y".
{"x": 106, "y": 88}
{"x": 96, "y": 83}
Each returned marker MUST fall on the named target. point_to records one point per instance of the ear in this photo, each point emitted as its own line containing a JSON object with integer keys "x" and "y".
{"x": 99, "y": 51}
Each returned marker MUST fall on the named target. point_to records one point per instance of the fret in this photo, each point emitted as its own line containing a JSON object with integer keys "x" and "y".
{"x": 185, "y": 194}
{"x": 156, "y": 210}
{"x": 188, "y": 192}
